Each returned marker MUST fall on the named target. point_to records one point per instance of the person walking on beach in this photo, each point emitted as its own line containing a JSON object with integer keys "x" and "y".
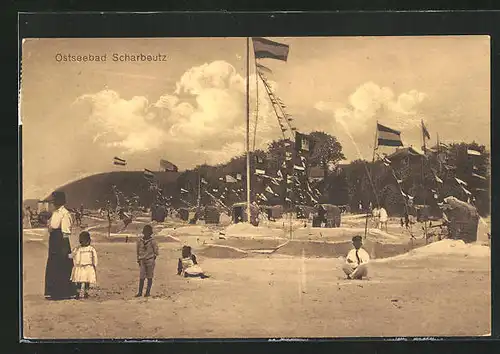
{"x": 383, "y": 218}
{"x": 356, "y": 265}
{"x": 147, "y": 251}
{"x": 84, "y": 265}
{"x": 58, "y": 284}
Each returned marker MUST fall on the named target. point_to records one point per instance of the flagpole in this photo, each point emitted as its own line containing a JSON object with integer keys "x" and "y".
{"x": 248, "y": 131}
{"x": 373, "y": 161}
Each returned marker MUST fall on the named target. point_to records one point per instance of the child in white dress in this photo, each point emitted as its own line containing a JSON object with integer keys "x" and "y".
{"x": 84, "y": 265}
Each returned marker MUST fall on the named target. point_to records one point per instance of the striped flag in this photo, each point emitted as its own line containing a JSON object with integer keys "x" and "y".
{"x": 425, "y": 132}
{"x": 264, "y": 48}
{"x": 148, "y": 174}
{"x": 168, "y": 166}
{"x": 473, "y": 152}
{"x": 119, "y": 162}
{"x": 388, "y": 137}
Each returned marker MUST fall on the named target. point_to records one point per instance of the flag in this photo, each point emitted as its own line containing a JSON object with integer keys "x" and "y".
{"x": 403, "y": 193}
{"x": 168, "y": 166}
{"x": 184, "y": 191}
{"x": 288, "y": 199}
{"x": 460, "y": 181}
{"x": 269, "y": 190}
{"x": 274, "y": 181}
{"x": 388, "y": 137}
{"x": 478, "y": 176}
{"x": 148, "y": 174}
{"x": 118, "y": 161}
{"x": 260, "y": 172}
{"x": 262, "y": 196}
{"x": 299, "y": 168}
{"x": 425, "y": 132}
{"x": 280, "y": 175}
{"x": 399, "y": 181}
{"x": 261, "y": 68}
{"x": 439, "y": 180}
{"x": 466, "y": 191}
{"x": 204, "y": 181}
{"x": 238, "y": 176}
{"x": 287, "y": 143}
{"x": 230, "y": 179}
{"x": 473, "y": 152}
{"x": 302, "y": 142}
{"x": 264, "y": 48}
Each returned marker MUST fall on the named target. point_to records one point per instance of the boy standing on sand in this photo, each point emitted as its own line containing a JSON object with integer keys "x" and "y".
{"x": 357, "y": 259}
{"x": 147, "y": 251}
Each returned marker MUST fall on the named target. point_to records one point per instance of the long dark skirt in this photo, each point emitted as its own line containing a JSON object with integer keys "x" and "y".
{"x": 58, "y": 284}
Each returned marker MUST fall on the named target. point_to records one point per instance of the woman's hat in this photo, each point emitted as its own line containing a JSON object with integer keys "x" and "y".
{"x": 57, "y": 197}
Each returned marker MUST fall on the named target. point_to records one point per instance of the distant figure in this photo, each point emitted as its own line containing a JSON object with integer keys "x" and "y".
{"x": 356, "y": 265}
{"x": 402, "y": 222}
{"x": 125, "y": 217}
{"x": 58, "y": 284}
{"x": 187, "y": 265}
{"x": 383, "y": 218}
{"x": 360, "y": 207}
{"x": 147, "y": 251}
{"x": 376, "y": 216}
{"x": 27, "y": 215}
{"x": 85, "y": 264}
{"x": 407, "y": 219}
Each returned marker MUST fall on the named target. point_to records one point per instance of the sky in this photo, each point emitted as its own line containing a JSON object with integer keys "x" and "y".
{"x": 191, "y": 108}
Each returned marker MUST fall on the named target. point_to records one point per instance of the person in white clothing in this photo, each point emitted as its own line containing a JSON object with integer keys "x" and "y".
{"x": 84, "y": 265}
{"x": 383, "y": 218}
{"x": 356, "y": 264}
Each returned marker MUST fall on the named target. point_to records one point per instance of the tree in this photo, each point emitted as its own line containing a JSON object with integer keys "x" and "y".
{"x": 326, "y": 151}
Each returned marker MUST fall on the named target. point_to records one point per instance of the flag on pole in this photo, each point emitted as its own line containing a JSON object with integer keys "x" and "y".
{"x": 168, "y": 166}
{"x": 388, "y": 137}
{"x": 264, "y": 48}
{"x": 473, "y": 152}
{"x": 148, "y": 174}
{"x": 230, "y": 179}
{"x": 425, "y": 132}
{"x": 118, "y": 161}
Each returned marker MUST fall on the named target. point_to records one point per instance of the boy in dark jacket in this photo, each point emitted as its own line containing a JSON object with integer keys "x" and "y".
{"x": 147, "y": 251}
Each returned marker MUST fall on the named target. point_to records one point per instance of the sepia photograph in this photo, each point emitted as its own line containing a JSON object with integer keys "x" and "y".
{"x": 260, "y": 187}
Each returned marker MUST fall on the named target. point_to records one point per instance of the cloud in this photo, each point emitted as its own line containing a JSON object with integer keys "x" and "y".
{"x": 206, "y": 111}
{"x": 371, "y": 102}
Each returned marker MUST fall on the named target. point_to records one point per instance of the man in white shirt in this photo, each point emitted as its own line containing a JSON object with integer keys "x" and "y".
{"x": 356, "y": 265}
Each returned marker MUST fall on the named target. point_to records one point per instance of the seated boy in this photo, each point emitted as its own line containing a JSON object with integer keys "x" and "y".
{"x": 356, "y": 265}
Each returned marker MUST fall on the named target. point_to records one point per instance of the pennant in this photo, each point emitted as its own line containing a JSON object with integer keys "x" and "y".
{"x": 261, "y": 68}
{"x": 260, "y": 172}
{"x": 230, "y": 179}
{"x": 399, "y": 181}
{"x": 287, "y": 143}
{"x": 168, "y": 166}
{"x": 204, "y": 181}
{"x": 425, "y": 132}
{"x": 299, "y": 168}
{"x": 435, "y": 196}
{"x": 466, "y": 191}
{"x": 481, "y": 189}
{"x": 280, "y": 175}
{"x": 473, "y": 152}
{"x": 460, "y": 181}
{"x": 148, "y": 174}
{"x": 119, "y": 162}
{"x": 262, "y": 196}
{"x": 264, "y": 48}
{"x": 274, "y": 181}
{"x": 288, "y": 158}
{"x": 276, "y": 195}
{"x": 478, "y": 176}
{"x": 184, "y": 191}
{"x": 238, "y": 176}
{"x": 439, "y": 180}
{"x": 403, "y": 193}
{"x": 388, "y": 137}
{"x": 269, "y": 190}
{"x": 288, "y": 199}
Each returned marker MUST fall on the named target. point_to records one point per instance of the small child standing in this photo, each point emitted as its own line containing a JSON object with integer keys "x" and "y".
{"x": 84, "y": 265}
{"x": 147, "y": 251}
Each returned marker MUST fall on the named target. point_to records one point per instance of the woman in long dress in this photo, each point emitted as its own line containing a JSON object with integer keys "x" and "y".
{"x": 58, "y": 284}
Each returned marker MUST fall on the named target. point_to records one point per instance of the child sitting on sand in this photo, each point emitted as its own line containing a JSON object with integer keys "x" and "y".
{"x": 357, "y": 259}
{"x": 85, "y": 263}
{"x": 188, "y": 265}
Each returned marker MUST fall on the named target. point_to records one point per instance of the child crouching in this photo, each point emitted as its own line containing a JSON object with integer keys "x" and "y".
{"x": 188, "y": 267}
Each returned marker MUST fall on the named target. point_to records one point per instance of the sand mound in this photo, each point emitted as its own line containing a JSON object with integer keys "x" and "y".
{"x": 341, "y": 234}
{"x": 446, "y": 247}
{"x": 251, "y": 244}
{"x": 191, "y": 230}
{"x": 170, "y": 239}
{"x": 221, "y": 251}
{"x": 248, "y": 230}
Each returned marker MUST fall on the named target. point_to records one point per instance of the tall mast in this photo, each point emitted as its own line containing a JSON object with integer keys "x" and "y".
{"x": 248, "y": 130}
{"x": 375, "y": 146}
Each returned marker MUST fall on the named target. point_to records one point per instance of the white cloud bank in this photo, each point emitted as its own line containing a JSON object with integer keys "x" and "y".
{"x": 204, "y": 115}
